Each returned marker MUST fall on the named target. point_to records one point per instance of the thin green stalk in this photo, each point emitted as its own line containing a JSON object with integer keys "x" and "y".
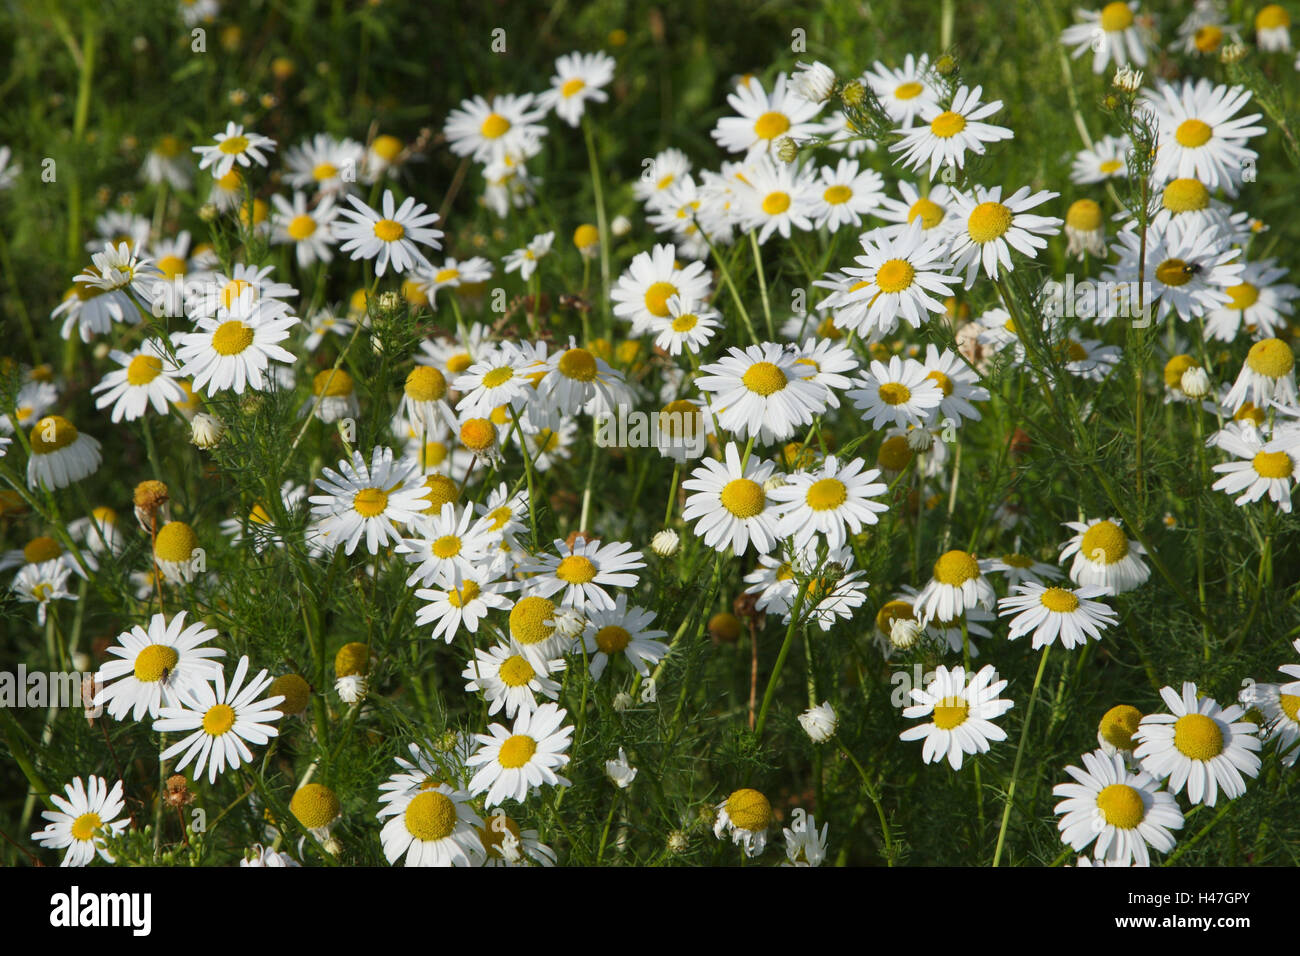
{"x": 1020, "y": 753}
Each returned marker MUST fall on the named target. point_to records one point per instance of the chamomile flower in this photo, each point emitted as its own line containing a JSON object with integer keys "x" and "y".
{"x": 780, "y": 196}
{"x": 31, "y": 403}
{"x": 1107, "y": 159}
{"x": 309, "y": 230}
{"x": 1281, "y": 713}
{"x": 223, "y": 722}
{"x": 958, "y": 583}
{"x": 391, "y": 237}
{"x": 688, "y": 325}
{"x": 575, "y": 380}
{"x": 433, "y": 826}
{"x": 502, "y": 376}
{"x": 652, "y": 278}
{"x": 158, "y": 667}
{"x": 98, "y": 532}
{"x": 41, "y": 584}
{"x": 1267, "y": 375}
{"x": 961, "y": 709}
{"x": 901, "y": 393}
{"x": 511, "y": 679}
{"x": 1198, "y": 135}
{"x": 324, "y": 163}
{"x": 579, "y": 78}
{"x": 834, "y": 501}
{"x": 143, "y": 378}
{"x": 225, "y": 352}
{"x": 1085, "y": 230}
{"x": 462, "y": 602}
{"x": 524, "y": 261}
{"x": 1020, "y": 568}
{"x": 944, "y": 136}
{"x": 958, "y": 382}
{"x": 845, "y": 194}
{"x": 82, "y": 820}
{"x": 517, "y": 761}
{"x": 805, "y": 845}
{"x": 762, "y": 391}
{"x": 732, "y": 504}
{"x": 235, "y": 145}
{"x": 831, "y": 362}
{"x": 1199, "y": 745}
{"x": 366, "y": 500}
{"x": 1257, "y": 471}
{"x": 1189, "y": 270}
{"x": 993, "y": 226}
{"x": 747, "y": 816}
{"x": 1113, "y": 34}
{"x": 167, "y": 163}
{"x": 833, "y": 596}
{"x": 452, "y": 274}
{"x": 1049, "y": 612}
{"x": 447, "y": 547}
{"x": 509, "y": 845}
{"x": 903, "y": 91}
{"x": 1123, "y": 811}
{"x": 259, "y": 856}
{"x": 1087, "y": 358}
{"x": 622, "y": 630}
{"x": 582, "y": 571}
{"x": 1259, "y": 303}
{"x": 61, "y": 455}
{"x": 764, "y": 118}
{"x": 489, "y": 130}
{"x": 1273, "y": 29}
{"x": 1105, "y": 556}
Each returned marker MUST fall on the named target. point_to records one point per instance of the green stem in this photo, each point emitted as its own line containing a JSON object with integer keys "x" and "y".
{"x": 1020, "y": 752}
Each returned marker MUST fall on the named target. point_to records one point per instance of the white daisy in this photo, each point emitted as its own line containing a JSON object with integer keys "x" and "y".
{"x": 511, "y": 679}
{"x": 622, "y": 630}
{"x": 233, "y": 353}
{"x": 833, "y": 501}
{"x": 731, "y": 504}
{"x": 1188, "y": 271}
{"x": 435, "y": 826}
{"x": 583, "y": 571}
{"x": 762, "y": 391}
{"x": 901, "y": 393}
{"x": 234, "y": 146}
{"x": 1199, "y": 136}
{"x": 652, "y": 278}
{"x": 764, "y": 118}
{"x": 1105, "y": 556}
{"x": 156, "y": 668}
{"x": 515, "y": 762}
{"x": 779, "y": 196}
{"x": 1113, "y": 34}
{"x": 390, "y": 237}
{"x": 903, "y": 91}
{"x": 945, "y": 135}
{"x": 489, "y": 130}
{"x": 1281, "y": 713}
{"x": 1267, "y": 375}
{"x": 145, "y": 377}
{"x": 1259, "y": 303}
{"x": 324, "y": 163}
{"x": 524, "y": 261}
{"x": 1122, "y": 811}
{"x": 60, "y": 455}
{"x": 689, "y": 325}
{"x": 446, "y": 547}
{"x": 805, "y": 845}
{"x": 1107, "y": 159}
{"x": 961, "y": 709}
{"x": 309, "y": 230}
{"x": 82, "y": 820}
{"x": 452, "y": 274}
{"x": 41, "y": 584}
{"x": 1046, "y": 612}
{"x": 747, "y": 815}
{"x": 578, "y": 78}
{"x": 462, "y": 602}
{"x": 1258, "y": 471}
{"x": 958, "y": 584}
{"x": 845, "y": 195}
{"x": 366, "y": 500}
{"x": 992, "y": 227}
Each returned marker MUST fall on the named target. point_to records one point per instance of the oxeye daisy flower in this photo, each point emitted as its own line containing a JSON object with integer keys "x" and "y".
{"x": 1199, "y": 136}
{"x": 747, "y": 816}
{"x": 489, "y": 130}
{"x": 689, "y": 325}
{"x": 833, "y": 501}
{"x": 1267, "y": 375}
{"x": 622, "y": 630}
{"x": 453, "y": 274}
{"x": 122, "y": 267}
{"x": 82, "y": 820}
{"x": 958, "y": 382}
{"x": 831, "y": 363}
{"x": 309, "y": 230}
{"x": 435, "y": 826}
{"x": 446, "y": 548}
{"x": 659, "y": 174}
{"x": 31, "y": 403}
{"x": 762, "y": 391}
{"x": 1105, "y": 556}
{"x": 582, "y": 571}
{"x": 1258, "y": 471}
{"x": 652, "y": 278}
{"x": 764, "y": 118}
{"x": 61, "y": 455}
{"x": 1020, "y": 568}
{"x": 1124, "y": 812}
{"x": 503, "y": 515}
{"x": 945, "y": 135}
{"x": 900, "y": 276}
{"x": 961, "y": 709}
{"x": 845, "y": 194}
{"x": 157, "y": 668}
{"x": 511, "y": 679}
{"x": 42, "y": 583}
{"x": 212, "y": 293}
{"x": 1112, "y": 34}
{"x": 903, "y": 91}
{"x": 578, "y": 78}
{"x": 221, "y": 720}
{"x": 235, "y": 145}
{"x": 992, "y": 227}
{"x": 235, "y": 353}
{"x": 731, "y": 504}
{"x": 366, "y": 500}
{"x": 515, "y": 762}
{"x": 143, "y": 378}
{"x": 324, "y": 163}
{"x": 1199, "y": 745}
{"x": 958, "y": 583}
{"x": 524, "y": 261}
{"x": 901, "y": 393}
{"x": 500, "y": 377}
{"x": 1107, "y": 159}
{"x": 390, "y": 237}
{"x": 1046, "y": 612}
{"x": 779, "y": 196}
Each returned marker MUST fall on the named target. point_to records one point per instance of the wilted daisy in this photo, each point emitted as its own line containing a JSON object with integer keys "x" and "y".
{"x": 1198, "y": 135}
{"x": 901, "y": 393}
{"x": 1199, "y": 745}
{"x": 834, "y": 501}
{"x": 1123, "y": 811}
{"x": 578, "y": 78}
{"x": 324, "y": 163}
{"x": 622, "y": 630}
{"x": 805, "y": 845}
{"x": 945, "y": 135}
{"x": 524, "y": 261}
{"x": 489, "y": 130}
{"x": 1258, "y": 471}
{"x": 961, "y": 709}
{"x": 508, "y": 845}
{"x": 1105, "y": 556}
{"x": 514, "y": 762}
{"x": 432, "y": 826}
{"x": 1107, "y": 159}
{"x": 1267, "y": 375}
{"x": 957, "y": 584}
{"x": 310, "y": 231}
{"x": 333, "y": 396}
{"x": 222, "y": 721}
{"x": 158, "y": 667}
{"x": 259, "y": 856}
{"x": 764, "y": 118}
{"x": 145, "y": 377}
{"x": 1112, "y": 34}
{"x": 235, "y": 353}
{"x": 390, "y": 237}
{"x": 366, "y": 500}
{"x": 993, "y": 226}
{"x": 763, "y": 391}
{"x": 60, "y": 454}
{"x": 746, "y": 815}
{"x": 42, "y": 583}
{"x": 235, "y": 145}
{"x": 82, "y": 820}
{"x": 731, "y": 504}
{"x": 819, "y": 722}
{"x": 1046, "y": 612}
{"x": 652, "y": 278}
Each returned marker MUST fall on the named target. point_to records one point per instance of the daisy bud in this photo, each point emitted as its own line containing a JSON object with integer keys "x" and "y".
{"x": 819, "y": 723}
{"x": 206, "y": 430}
{"x": 1128, "y": 79}
{"x": 787, "y": 150}
{"x": 815, "y": 81}
{"x": 1233, "y": 53}
{"x": 854, "y": 94}
{"x": 207, "y": 212}
{"x": 665, "y": 543}
{"x": 920, "y": 439}
{"x": 1195, "y": 383}
{"x": 622, "y": 702}
{"x": 621, "y": 226}
{"x": 678, "y": 842}
{"x": 946, "y": 65}
{"x": 904, "y": 633}
{"x": 101, "y": 350}
{"x": 620, "y": 771}
{"x": 389, "y": 302}
{"x": 569, "y": 623}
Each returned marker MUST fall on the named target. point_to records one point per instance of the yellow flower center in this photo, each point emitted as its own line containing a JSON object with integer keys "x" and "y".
{"x": 233, "y": 145}
{"x": 891, "y": 612}
{"x": 578, "y": 364}
{"x": 431, "y": 816}
{"x": 657, "y": 296}
{"x": 426, "y": 384}
{"x": 895, "y": 275}
{"x": 1193, "y": 133}
{"x": 1084, "y": 215}
{"x": 571, "y": 87}
{"x": 771, "y": 125}
{"x": 467, "y": 592}
{"x": 950, "y": 712}
{"x": 1174, "y": 272}
{"x": 826, "y": 494}
{"x": 576, "y": 569}
{"x": 1271, "y": 358}
{"x": 84, "y": 827}
{"x": 776, "y": 203}
{"x": 894, "y": 453}
{"x": 516, "y": 671}
{"x": 352, "y": 658}
{"x": 332, "y": 383}
{"x": 1208, "y": 38}
{"x": 1175, "y": 368}
{"x": 1186, "y": 195}
{"x": 41, "y": 549}
{"x": 314, "y": 805}
{"x": 988, "y": 221}
{"x": 387, "y": 147}
{"x": 1104, "y": 543}
{"x": 930, "y": 212}
{"x": 764, "y": 378}
{"x": 143, "y": 369}
{"x": 498, "y": 377}
{"x": 301, "y": 227}
{"x": 1243, "y": 296}
{"x": 478, "y": 434}
{"x": 1060, "y": 600}
{"x": 219, "y": 719}
{"x": 175, "y": 542}
{"x": 324, "y": 171}
{"x": 231, "y": 338}
{"x": 908, "y": 91}
{"x": 684, "y": 323}
{"x": 749, "y": 810}
{"x": 448, "y": 546}
{"x": 259, "y": 516}
{"x": 947, "y": 124}
{"x": 168, "y": 146}
{"x": 1273, "y": 464}
{"x": 1121, "y": 805}
{"x": 528, "y": 620}
{"x": 942, "y": 380}
{"x": 388, "y": 230}
{"x": 894, "y": 393}
{"x": 1110, "y": 166}
{"x": 1272, "y": 17}
{"x": 1198, "y": 737}
{"x": 171, "y": 266}
{"x": 1290, "y": 704}
{"x": 517, "y": 751}
{"x": 612, "y": 639}
{"x": 837, "y": 195}
{"x": 441, "y": 490}
{"x": 1119, "y": 724}
{"x": 154, "y": 662}
{"x": 494, "y": 127}
{"x": 955, "y": 568}
{"x": 586, "y": 236}
{"x": 743, "y": 498}
{"x": 370, "y": 502}
{"x": 295, "y": 691}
